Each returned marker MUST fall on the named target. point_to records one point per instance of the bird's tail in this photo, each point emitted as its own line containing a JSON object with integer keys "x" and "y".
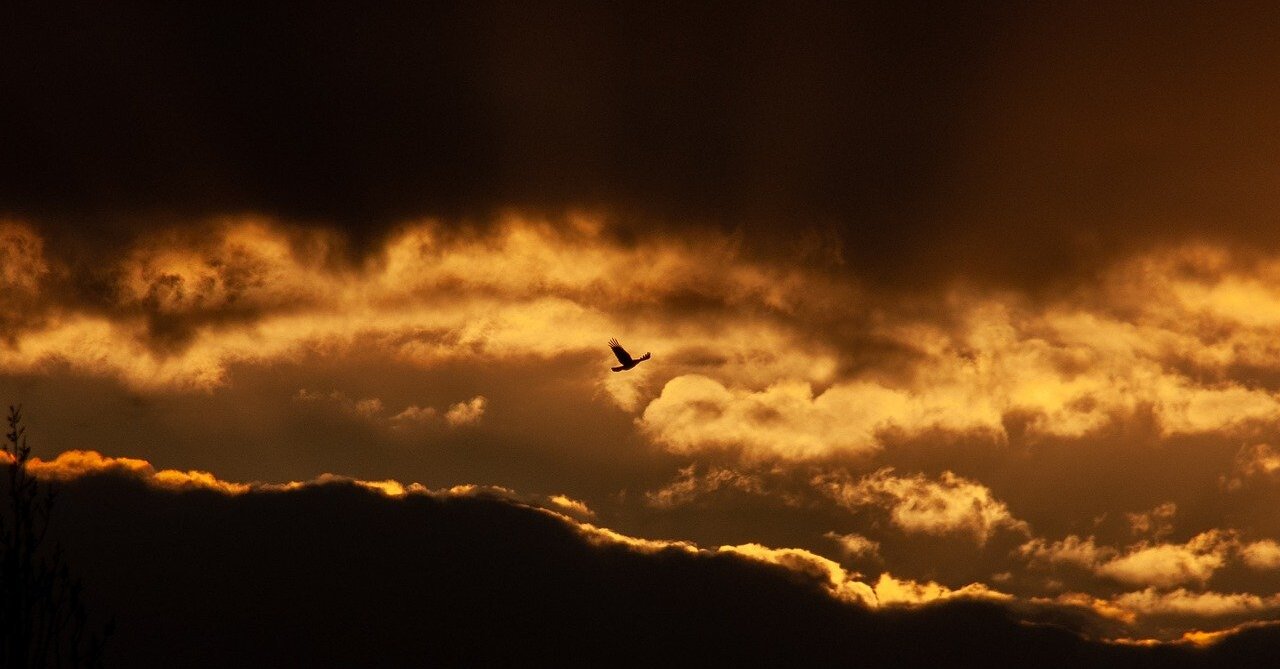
{"x": 643, "y": 357}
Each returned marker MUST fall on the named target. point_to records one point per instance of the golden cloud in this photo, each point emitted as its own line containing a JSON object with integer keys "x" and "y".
{"x": 1263, "y": 554}
{"x": 372, "y": 409}
{"x": 690, "y": 485}
{"x": 572, "y": 506}
{"x": 854, "y": 545}
{"x": 1157, "y": 522}
{"x": 750, "y": 367}
{"x": 1071, "y": 550}
{"x": 892, "y": 591}
{"x": 466, "y": 413}
{"x": 948, "y": 505}
{"x": 23, "y": 265}
{"x": 75, "y": 464}
{"x": 1182, "y": 602}
{"x": 839, "y": 583}
{"x": 250, "y": 291}
{"x": 1167, "y": 564}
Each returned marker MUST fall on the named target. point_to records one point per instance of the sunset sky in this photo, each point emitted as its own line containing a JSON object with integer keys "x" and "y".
{"x": 942, "y": 302}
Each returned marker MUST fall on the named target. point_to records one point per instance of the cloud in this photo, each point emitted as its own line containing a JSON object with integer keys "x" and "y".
{"x": 1156, "y": 522}
{"x": 371, "y": 409}
{"x": 786, "y": 420}
{"x": 71, "y": 465}
{"x": 572, "y": 506}
{"x": 1133, "y": 344}
{"x": 855, "y": 545}
{"x": 950, "y": 504}
{"x": 1181, "y": 602}
{"x": 23, "y": 265}
{"x": 1161, "y": 565}
{"x": 181, "y": 307}
{"x": 1259, "y": 461}
{"x": 466, "y": 413}
{"x": 690, "y": 485}
{"x": 1263, "y": 554}
{"x": 1166, "y": 564}
{"x": 1072, "y": 550}
{"x": 748, "y": 357}
{"x": 839, "y": 583}
{"x": 890, "y": 591}
{"x": 412, "y": 415}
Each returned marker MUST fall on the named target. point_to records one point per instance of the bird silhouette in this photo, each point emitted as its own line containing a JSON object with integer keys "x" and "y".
{"x": 625, "y": 358}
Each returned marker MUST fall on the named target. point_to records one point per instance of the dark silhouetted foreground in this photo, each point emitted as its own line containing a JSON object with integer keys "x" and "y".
{"x": 336, "y": 575}
{"x": 43, "y": 622}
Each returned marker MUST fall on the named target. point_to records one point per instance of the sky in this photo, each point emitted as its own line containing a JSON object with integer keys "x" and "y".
{"x": 944, "y": 303}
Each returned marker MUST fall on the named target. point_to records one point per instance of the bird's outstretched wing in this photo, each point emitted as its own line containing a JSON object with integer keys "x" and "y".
{"x": 623, "y": 356}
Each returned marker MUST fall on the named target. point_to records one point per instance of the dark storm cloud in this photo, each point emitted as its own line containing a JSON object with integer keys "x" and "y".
{"x": 334, "y": 575}
{"x": 918, "y": 134}
{"x": 358, "y": 115}
{"x": 364, "y": 116}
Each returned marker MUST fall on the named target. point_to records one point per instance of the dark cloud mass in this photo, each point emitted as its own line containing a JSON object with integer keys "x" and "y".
{"x": 334, "y": 575}
{"x": 967, "y": 313}
{"x": 995, "y": 142}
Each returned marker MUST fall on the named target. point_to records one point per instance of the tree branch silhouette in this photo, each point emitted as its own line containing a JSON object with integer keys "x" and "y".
{"x": 43, "y": 621}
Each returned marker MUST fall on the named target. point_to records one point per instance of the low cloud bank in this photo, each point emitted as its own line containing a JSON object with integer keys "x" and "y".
{"x": 336, "y": 572}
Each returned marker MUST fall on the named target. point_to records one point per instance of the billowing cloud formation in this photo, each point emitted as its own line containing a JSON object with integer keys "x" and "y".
{"x": 1263, "y": 554}
{"x": 786, "y": 419}
{"x": 180, "y": 310}
{"x": 891, "y": 591}
{"x": 746, "y": 364}
{"x": 949, "y": 504}
{"x": 74, "y": 464}
{"x": 1172, "y": 564}
{"x": 1181, "y": 602}
{"x": 1142, "y": 563}
{"x": 466, "y": 413}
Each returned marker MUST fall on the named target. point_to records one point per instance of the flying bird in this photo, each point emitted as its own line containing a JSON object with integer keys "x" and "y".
{"x": 625, "y": 358}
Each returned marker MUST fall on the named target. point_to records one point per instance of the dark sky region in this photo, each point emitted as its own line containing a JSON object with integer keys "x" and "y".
{"x": 960, "y": 316}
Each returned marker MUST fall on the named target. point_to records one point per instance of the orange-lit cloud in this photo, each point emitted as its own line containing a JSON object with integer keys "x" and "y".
{"x": 947, "y": 505}
{"x": 747, "y": 369}
{"x": 23, "y": 265}
{"x": 373, "y": 410}
{"x": 892, "y": 591}
{"x": 1181, "y": 602}
{"x": 1071, "y": 550}
{"x": 840, "y": 583}
{"x": 1169, "y": 564}
{"x": 572, "y": 506}
{"x": 466, "y": 413}
{"x": 1157, "y": 522}
{"x": 74, "y": 464}
{"x": 854, "y": 545}
{"x": 690, "y": 485}
{"x": 183, "y": 309}
{"x": 1264, "y": 554}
